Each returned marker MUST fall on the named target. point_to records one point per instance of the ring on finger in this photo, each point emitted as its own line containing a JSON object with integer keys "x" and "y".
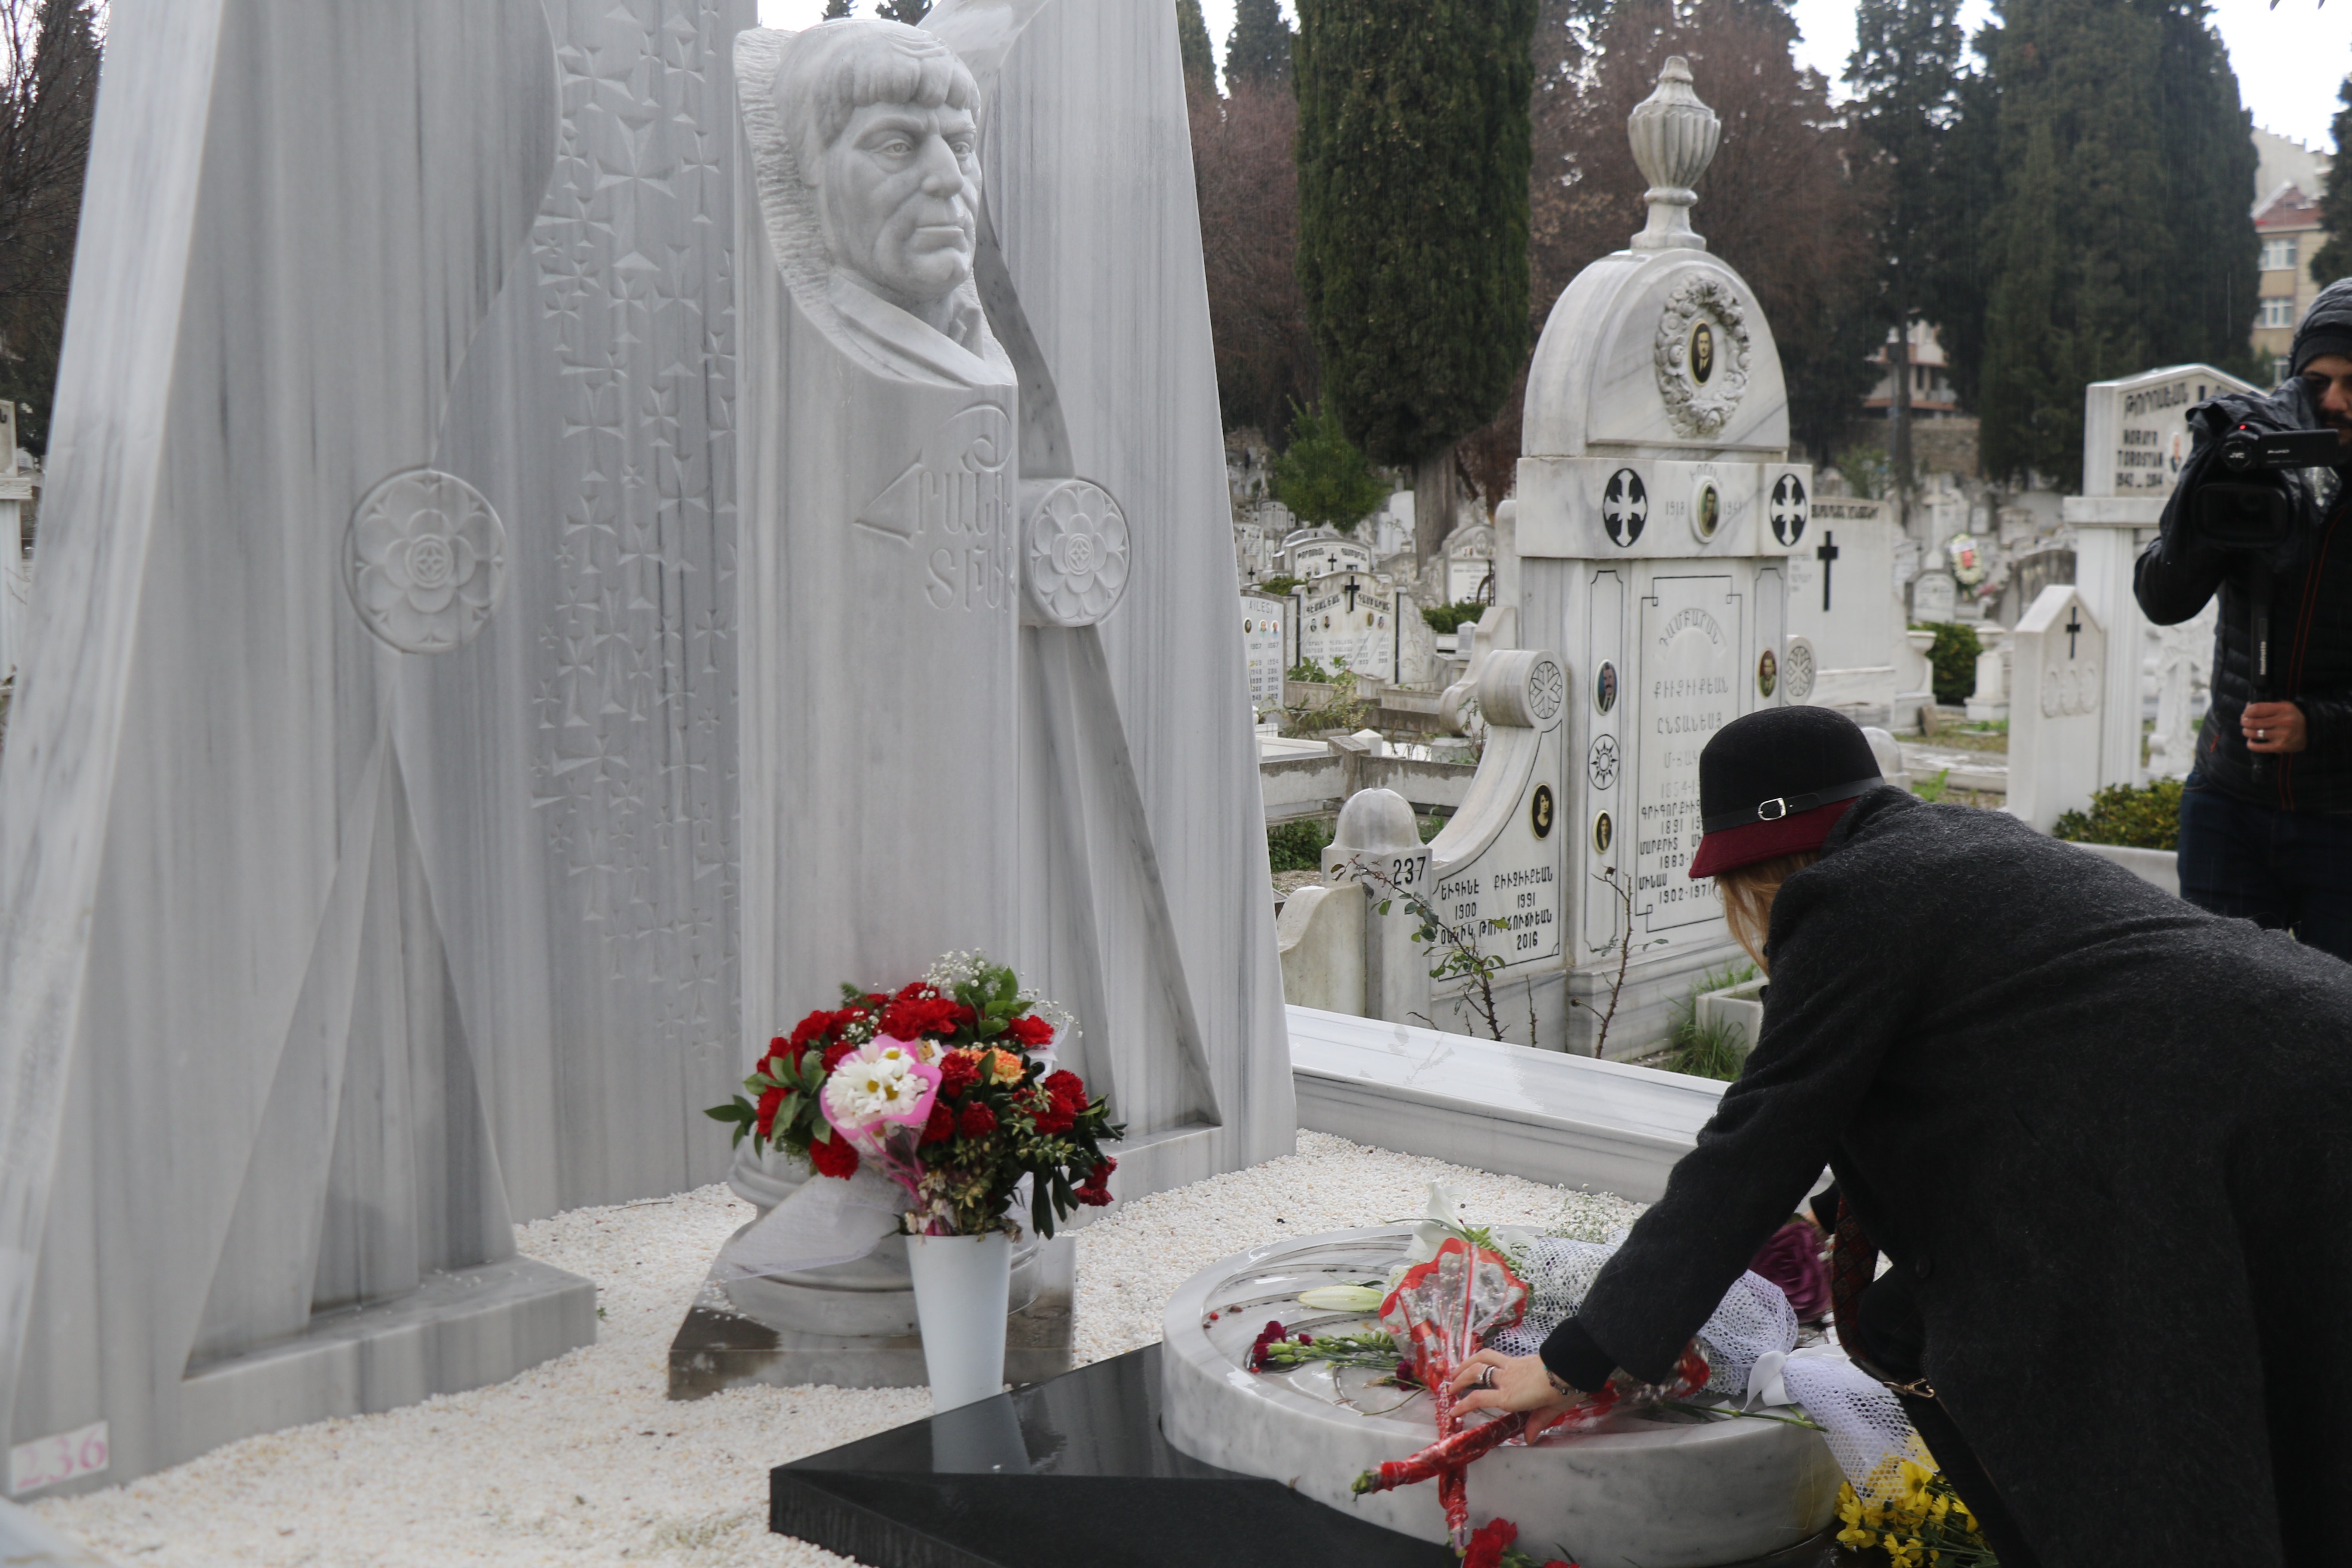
{"x": 1485, "y": 1378}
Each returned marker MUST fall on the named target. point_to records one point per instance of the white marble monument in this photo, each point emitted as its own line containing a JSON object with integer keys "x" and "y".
{"x": 1842, "y": 601}
{"x": 2058, "y": 684}
{"x": 1265, "y": 644}
{"x": 1658, "y": 511}
{"x": 1311, "y": 552}
{"x": 1349, "y": 619}
{"x": 366, "y": 823}
{"x": 2135, "y": 439}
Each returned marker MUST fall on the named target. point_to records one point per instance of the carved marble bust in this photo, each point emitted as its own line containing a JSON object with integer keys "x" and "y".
{"x": 881, "y": 122}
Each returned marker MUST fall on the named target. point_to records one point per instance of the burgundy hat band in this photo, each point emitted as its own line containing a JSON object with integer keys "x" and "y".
{"x": 1729, "y": 848}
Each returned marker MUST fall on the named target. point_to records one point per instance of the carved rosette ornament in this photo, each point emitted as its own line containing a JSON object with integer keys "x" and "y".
{"x": 1075, "y": 554}
{"x": 425, "y": 560}
{"x": 1700, "y": 356}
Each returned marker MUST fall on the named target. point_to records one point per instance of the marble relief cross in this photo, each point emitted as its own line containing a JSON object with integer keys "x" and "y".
{"x": 1827, "y": 556}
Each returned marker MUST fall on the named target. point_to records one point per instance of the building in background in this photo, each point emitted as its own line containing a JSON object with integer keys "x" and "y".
{"x": 2288, "y": 222}
{"x": 2287, "y": 180}
{"x": 1931, "y": 379}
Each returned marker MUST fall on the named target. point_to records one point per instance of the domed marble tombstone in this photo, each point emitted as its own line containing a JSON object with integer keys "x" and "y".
{"x": 1657, "y": 509}
{"x": 1647, "y": 1490}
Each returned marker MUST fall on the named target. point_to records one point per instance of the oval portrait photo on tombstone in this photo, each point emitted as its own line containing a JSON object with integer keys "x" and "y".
{"x": 1707, "y": 511}
{"x": 1702, "y": 352}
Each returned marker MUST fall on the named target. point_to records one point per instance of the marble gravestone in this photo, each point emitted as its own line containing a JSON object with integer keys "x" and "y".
{"x": 367, "y": 819}
{"x": 17, "y": 487}
{"x": 1264, "y": 642}
{"x": 1348, "y": 619}
{"x": 2058, "y": 684}
{"x": 1311, "y": 552}
{"x": 2135, "y": 439}
{"x": 1470, "y": 565}
{"x": 1658, "y": 511}
{"x": 1842, "y": 603}
{"x": 1935, "y": 597}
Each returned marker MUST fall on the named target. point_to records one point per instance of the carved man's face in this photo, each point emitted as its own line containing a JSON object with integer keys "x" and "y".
{"x": 901, "y": 189}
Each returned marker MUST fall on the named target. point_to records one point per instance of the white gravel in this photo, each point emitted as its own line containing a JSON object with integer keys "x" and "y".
{"x": 584, "y": 1460}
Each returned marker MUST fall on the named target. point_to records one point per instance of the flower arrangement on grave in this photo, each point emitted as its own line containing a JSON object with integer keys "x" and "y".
{"x": 948, "y": 1087}
{"x": 1923, "y": 1520}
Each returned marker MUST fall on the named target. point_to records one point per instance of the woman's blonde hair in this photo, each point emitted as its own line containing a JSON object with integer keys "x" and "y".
{"x": 1748, "y": 893}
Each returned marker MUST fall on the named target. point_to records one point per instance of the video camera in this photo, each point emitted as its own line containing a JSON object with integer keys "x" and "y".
{"x": 2241, "y": 512}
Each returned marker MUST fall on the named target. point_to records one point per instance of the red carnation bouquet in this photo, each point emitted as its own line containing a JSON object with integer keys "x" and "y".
{"x": 948, "y": 1087}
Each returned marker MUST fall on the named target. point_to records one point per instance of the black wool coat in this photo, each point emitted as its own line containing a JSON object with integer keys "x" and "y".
{"x": 2110, "y": 1135}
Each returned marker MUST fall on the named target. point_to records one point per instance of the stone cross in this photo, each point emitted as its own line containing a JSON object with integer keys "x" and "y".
{"x": 1827, "y": 556}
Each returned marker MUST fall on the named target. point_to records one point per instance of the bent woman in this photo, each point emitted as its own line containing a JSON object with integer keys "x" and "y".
{"x": 2104, "y": 1139}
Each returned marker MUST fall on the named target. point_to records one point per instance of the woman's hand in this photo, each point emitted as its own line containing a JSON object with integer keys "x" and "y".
{"x": 1520, "y": 1384}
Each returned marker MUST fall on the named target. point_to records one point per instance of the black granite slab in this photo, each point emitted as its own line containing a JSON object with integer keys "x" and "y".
{"x": 1074, "y": 1473}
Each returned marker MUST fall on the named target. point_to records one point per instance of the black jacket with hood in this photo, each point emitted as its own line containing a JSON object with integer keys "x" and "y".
{"x": 2310, "y": 596}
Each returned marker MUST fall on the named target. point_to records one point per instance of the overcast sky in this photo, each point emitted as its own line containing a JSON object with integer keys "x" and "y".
{"x": 2289, "y": 62}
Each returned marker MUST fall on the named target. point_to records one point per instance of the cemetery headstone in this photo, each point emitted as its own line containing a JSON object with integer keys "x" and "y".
{"x": 2058, "y": 686}
{"x": 1263, "y": 644}
{"x": 1842, "y": 601}
{"x": 1313, "y": 552}
{"x": 16, "y": 488}
{"x": 1657, "y": 511}
{"x": 2134, "y": 438}
{"x": 1348, "y": 619}
{"x": 1418, "y": 665}
{"x": 1935, "y": 597}
{"x": 1470, "y": 565}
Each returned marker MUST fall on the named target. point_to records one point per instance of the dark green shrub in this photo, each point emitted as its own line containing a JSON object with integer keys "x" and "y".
{"x": 1277, "y": 586}
{"x": 1953, "y": 657}
{"x": 2148, "y": 817}
{"x": 1298, "y": 845}
{"x": 1454, "y": 617}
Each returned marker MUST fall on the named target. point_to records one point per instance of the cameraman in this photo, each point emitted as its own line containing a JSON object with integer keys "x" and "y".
{"x": 2271, "y": 841}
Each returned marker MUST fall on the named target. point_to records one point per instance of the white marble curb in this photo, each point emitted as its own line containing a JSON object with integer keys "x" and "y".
{"x": 1570, "y": 1120}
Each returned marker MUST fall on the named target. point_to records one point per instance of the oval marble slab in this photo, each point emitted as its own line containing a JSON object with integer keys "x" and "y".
{"x": 1637, "y": 1493}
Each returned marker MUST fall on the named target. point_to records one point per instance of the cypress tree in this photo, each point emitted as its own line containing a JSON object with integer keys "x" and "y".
{"x": 1905, "y": 70}
{"x": 1412, "y": 209}
{"x": 910, "y": 12}
{"x": 1257, "y": 51}
{"x": 1192, "y": 44}
{"x": 2205, "y": 305}
{"x": 2333, "y": 259}
{"x": 1958, "y": 280}
{"x": 2119, "y": 240}
{"x": 2080, "y": 236}
{"x": 834, "y": 10}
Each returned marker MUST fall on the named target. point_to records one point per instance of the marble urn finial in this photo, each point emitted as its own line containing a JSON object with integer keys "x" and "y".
{"x": 1673, "y": 136}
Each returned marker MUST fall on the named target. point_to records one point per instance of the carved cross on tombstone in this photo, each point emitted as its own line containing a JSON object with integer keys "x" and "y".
{"x": 2073, "y": 630}
{"x": 1351, "y": 597}
{"x": 1827, "y": 556}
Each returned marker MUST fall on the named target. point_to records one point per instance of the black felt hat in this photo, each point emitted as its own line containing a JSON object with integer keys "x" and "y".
{"x": 1776, "y": 781}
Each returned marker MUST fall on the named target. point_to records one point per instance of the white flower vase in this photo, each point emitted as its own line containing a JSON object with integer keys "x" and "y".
{"x": 962, "y": 1287}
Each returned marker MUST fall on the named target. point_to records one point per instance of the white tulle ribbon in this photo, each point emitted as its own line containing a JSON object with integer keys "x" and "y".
{"x": 824, "y": 1220}
{"x": 1764, "y": 1384}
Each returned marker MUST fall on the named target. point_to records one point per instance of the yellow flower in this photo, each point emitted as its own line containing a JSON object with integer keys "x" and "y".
{"x": 1849, "y": 1505}
{"x": 1904, "y": 1554}
{"x": 1855, "y": 1540}
{"x": 1005, "y": 1065}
